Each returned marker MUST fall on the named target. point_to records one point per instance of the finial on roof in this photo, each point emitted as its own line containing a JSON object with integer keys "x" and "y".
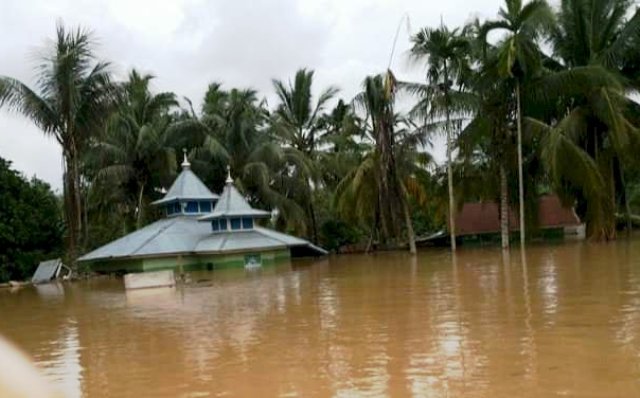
{"x": 229, "y": 179}
{"x": 185, "y": 162}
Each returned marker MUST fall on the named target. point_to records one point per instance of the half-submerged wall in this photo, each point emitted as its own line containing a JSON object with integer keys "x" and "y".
{"x": 191, "y": 263}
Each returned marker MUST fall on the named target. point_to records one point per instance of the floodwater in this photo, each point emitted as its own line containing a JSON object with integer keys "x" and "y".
{"x": 563, "y": 323}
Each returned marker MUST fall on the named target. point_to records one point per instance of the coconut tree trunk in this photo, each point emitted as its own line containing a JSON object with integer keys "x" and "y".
{"x": 385, "y": 197}
{"x": 452, "y": 201}
{"x": 407, "y": 219}
{"x": 78, "y": 202}
{"x": 504, "y": 208}
{"x": 625, "y": 198}
{"x": 520, "y": 177}
{"x": 140, "y": 216}
{"x": 71, "y": 207}
{"x": 314, "y": 225}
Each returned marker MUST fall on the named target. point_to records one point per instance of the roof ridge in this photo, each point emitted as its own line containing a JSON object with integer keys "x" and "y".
{"x": 158, "y": 232}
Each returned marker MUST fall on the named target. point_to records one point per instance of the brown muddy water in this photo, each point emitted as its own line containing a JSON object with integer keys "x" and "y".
{"x": 565, "y": 322}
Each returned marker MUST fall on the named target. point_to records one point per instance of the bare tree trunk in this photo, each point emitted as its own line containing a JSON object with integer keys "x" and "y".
{"x": 452, "y": 200}
{"x": 611, "y": 227}
{"x": 504, "y": 208}
{"x": 627, "y": 207}
{"x": 387, "y": 216}
{"x": 70, "y": 209}
{"x": 139, "y": 219}
{"x": 314, "y": 225}
{"x": 410, "y": 233}
{"x": 520, "y": 177}
{"x": 77, "y": 197}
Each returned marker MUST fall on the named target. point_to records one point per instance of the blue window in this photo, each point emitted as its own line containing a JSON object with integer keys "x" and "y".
{"x": 247, "y": 222}
{"x": 176, "y": 208}
{"x": 223, "y": 224}
{"x": 170, "y": 209}
{"x": 205, "y": 207}
{"x": 192, "y": 207}
{"x": 236, "y": 223}
{"x": 215, "y": 226}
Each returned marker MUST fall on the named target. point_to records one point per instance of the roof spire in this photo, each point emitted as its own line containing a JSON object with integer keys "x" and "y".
{"x": 229, "y": 179}
{"x": 185, "y": 162}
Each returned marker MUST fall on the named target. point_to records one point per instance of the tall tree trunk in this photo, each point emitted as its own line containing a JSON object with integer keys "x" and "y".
{"x": 140, "y": 217}
{"x": 77, "y": 198}
{"x": 384, "y": 229}
{"x": 520, "y": 177}
{"x": 611, "y": 225}
{"x": 71, "y": 215}
{"x": 387, "y": 216}
{"x": 625, "y": 198}
{"x": 314, "y": 225}
{"x": 407, "y": 219}
{"x": 504, "y": 208}
{"x": 452, "y": 201}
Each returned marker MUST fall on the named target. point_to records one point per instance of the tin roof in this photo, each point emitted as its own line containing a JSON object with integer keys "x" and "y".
{"x": 185, "y": 235}
{"x": 231, "y": 203}
{"x": 187, "y": 186}
{"x": 480, "y": 218}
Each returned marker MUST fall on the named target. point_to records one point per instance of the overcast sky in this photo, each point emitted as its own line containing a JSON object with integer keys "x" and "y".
{"x": 187, "y": 44}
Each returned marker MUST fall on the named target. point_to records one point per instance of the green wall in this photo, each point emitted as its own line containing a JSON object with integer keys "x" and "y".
{"x": 188, "y": 263}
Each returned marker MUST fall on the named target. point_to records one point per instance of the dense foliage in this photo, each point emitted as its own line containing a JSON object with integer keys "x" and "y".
{"x": 536, "y": 100}
{"x": 31, "y": 225}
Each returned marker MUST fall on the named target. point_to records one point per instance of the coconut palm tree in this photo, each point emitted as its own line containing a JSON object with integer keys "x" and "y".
{"x": 519, "y": 57}
{"x": 598, "y": 114}
{"x": 486, "y": 145}
{"x": 340, "y": 148}
{"x": 136, "y": 151}
{"x": 296, "y": 123}
{"x": 377, "y": 100}
{"x": 233, "y": 130}
{"x": 71, "y": 101}
{"x": 445, "y": 53}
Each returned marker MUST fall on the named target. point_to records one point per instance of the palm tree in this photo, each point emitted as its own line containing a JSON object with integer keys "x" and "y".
{"x": 136, "y": 152}
{"x": 295, "y": 121}
{"x": 486, "y": 147}
{"x": 519, "y": 57}
{"x": 596, "y": 113}
{"x": 233, "y": 130}
{"x": 377, "y": 100}
{"x": 71, "y": 102}
{"x": 340, "y": 147}
{"x": 446, "y": 56}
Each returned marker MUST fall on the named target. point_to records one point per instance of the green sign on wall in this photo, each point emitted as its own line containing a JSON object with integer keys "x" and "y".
{"x": 252, "y": 260}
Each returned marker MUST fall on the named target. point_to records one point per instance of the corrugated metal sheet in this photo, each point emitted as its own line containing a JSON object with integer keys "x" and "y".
{"x": 46, "y": 271}
{"x": 166, "y": 236}
{"x": 186, "y": 235}
{"x": 237, "y": 241}
{"x": 187, "y": 186}
{"x": 232, "y": 204}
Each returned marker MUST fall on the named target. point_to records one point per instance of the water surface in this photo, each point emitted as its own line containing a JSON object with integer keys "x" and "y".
{"x": 565, "y": 322}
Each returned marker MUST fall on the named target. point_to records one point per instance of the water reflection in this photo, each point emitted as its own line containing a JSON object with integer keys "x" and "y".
{"x": 480, "y": 324}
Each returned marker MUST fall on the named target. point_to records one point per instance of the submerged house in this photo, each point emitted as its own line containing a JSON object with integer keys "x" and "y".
{"x": 200, "y": 230}
{"x": 480, "y": 221}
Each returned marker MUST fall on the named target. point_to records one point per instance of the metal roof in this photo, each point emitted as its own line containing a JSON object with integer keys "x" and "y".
{"x": 46, "y": 271}
{"x": 231, "y": 203}
{"x": 187, "y": 186}
{"x": 165, "y": 236}
{"x": 185, "y": 235}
